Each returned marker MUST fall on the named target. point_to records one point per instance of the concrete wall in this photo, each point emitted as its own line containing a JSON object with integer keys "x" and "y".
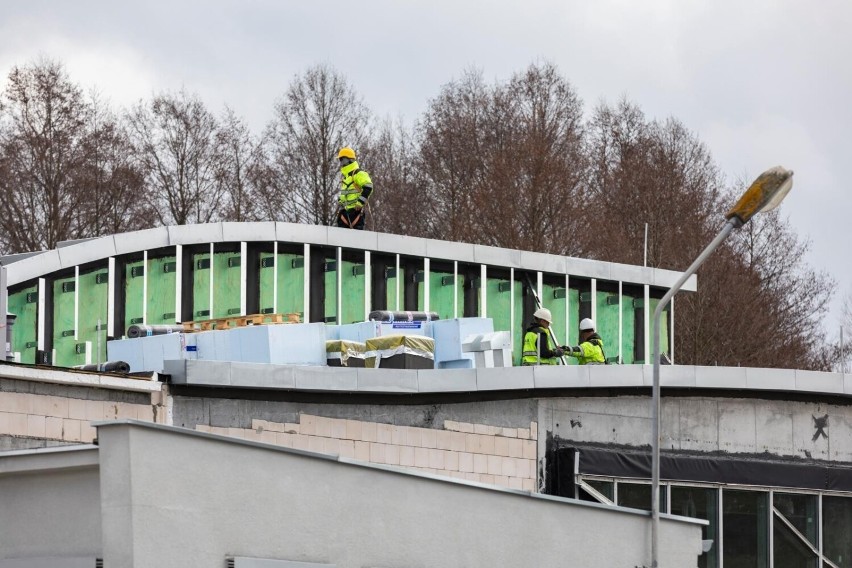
{"x": 225, "y": 497}
{"x": 35, "y": 415}
{"x": 784, "y": 428}
{"x": 50, "y": 504}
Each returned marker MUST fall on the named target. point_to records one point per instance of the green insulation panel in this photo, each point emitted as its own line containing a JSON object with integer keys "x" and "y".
{"x": 226, "y": 284}
{"x": 92, "y": 317}
{"x": 353, "y": 290}
{"x": 498, "y": 298}
{"x": 24, "y": 304}
{"x": 162, "y": 283}
{"x": 443, "y": 293}
{"x": 628, "y": 330}
{"x": 664, "y": 327}
{"x": 64, "y": 345}
{"x": 394, "y": 289}
{"x": 606, "y": 320}
{"x": 291, "y": 284}
{"x": 201, "y": 286}
{"x": 555, "y": 298}
{"x": 134, "y": 286}
{"x": 330, "y": 307}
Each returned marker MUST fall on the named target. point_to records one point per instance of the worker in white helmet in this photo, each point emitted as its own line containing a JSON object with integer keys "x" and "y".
{"x": 539, "y": 347}
{"x": 590, "y": 350}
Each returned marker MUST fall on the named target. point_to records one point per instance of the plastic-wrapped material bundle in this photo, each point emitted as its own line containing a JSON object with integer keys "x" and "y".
{"x": 343, "y": 353}
{"x": 400, "y": 352}
{"x": 107, "y": 367}
{"x": 135, "y": 331}
{"x": 385, "y": 315}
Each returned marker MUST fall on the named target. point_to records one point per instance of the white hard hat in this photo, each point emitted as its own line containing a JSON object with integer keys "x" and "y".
{"x": 543, "y": 313}
{"x": 587, "y": 324}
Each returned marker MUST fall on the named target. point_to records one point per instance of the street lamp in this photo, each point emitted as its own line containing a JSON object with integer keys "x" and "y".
{"x": 764, "y": 194}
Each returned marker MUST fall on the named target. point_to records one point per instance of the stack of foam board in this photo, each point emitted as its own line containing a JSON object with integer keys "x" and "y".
{"x": 450, "y": 334}
{"x": 148, "y": 353}
{"x": 489, "y": 349}
{"x": 285, "y": 344}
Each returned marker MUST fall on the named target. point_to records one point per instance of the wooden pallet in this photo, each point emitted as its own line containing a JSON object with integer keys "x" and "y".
{"x": 240, "y": 321}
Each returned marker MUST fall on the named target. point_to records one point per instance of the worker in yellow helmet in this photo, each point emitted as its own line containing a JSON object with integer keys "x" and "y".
{"x": 590, "y": 350}
{"x": 355, "y": 190}
{"x": 539, "y": 348}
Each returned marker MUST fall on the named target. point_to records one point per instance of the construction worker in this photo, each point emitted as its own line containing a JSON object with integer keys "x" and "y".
{"x": 355, "y": 189}
{"x": 590, "y": 350}
{"x": 539, "y": 347}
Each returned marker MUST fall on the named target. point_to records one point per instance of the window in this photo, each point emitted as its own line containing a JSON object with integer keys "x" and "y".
{"x": 837, "y": 526}
{"x": 700, "y": 503}
{"x": 744, "y": 522}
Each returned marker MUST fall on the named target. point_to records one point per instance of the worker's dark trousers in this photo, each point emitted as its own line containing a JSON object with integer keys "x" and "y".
{"x": 351, "y": 218}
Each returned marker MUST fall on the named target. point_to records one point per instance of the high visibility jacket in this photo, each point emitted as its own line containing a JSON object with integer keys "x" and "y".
{"x": 355, "y": 187}
{"x": 538, "y": 347}
{"x": 589, "y": 352}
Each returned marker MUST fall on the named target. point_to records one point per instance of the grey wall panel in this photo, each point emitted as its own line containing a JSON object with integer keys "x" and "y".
{"x": 667, "y": 278}
{"x": 195, "y": 234}
{"x": 446, "y": 250}
{"x": 771, "y": 379}
{"x": 823, "y": 382}
{"x": 141, "y": 240}
{"x": 250, "y": 232}
{"x": 561, "y": 377}
{"x": 497, "y": 256}
{"x": 89, "y": 251}
{"x": 353, "y": 239}
{"x": 33, "y": 267}
{"x": 268, "y": 504}
{"x": 401, "y": 244}
{"x": 628, "y": 273}
{"x": 50, "y": 513}
{"x": 387, "y": 380}
{"x": 670, "y": 375}
{"x": 51, "y": 562}
{"x": 541, "y": 262}
{"x": 327, "y": 378}
{"x": 301, "y": 233}
{"x": 447, "y": 380}
{"x": 720, "y": 377}
{"x": 498, "y": 379}
{"x": 260, "y": 375}
{"x": 588, "y": 268}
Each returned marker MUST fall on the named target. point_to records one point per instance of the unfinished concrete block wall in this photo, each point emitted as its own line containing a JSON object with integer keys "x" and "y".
{"x": 476, "y": 452}
{"x": 35, "y": 415}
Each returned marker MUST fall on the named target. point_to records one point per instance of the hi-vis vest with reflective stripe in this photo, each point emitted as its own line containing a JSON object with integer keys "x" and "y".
{"x": 350, "y": 188}
{"x": 531, "y": 354}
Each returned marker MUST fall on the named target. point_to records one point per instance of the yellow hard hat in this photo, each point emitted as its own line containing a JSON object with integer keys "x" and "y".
{"x": 346, "y": 152}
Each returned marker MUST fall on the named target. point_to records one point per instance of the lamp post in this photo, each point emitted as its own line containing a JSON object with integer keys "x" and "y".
{"x": 764, "y": 194}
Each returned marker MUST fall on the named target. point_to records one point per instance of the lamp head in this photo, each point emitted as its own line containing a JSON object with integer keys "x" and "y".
{"x": 765, "y": 193}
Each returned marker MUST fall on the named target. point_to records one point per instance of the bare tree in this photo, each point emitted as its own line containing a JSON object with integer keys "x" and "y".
{"x": 793, "y": 296}
{"x": 452, "y": 158}
{"x": 42, "y": 125}
{"x": 175, "y": 140}
{"x": 649, "y": 172}
{"x": 319, "y": 113}
{"x": 240, "y": 168}
{"x": 111, "y": 183}
{"x": 532, "y": 193}
{"x": 391, "y": 155}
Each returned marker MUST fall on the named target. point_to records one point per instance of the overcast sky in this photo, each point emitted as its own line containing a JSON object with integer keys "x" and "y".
{"x": 762, "y": 83}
